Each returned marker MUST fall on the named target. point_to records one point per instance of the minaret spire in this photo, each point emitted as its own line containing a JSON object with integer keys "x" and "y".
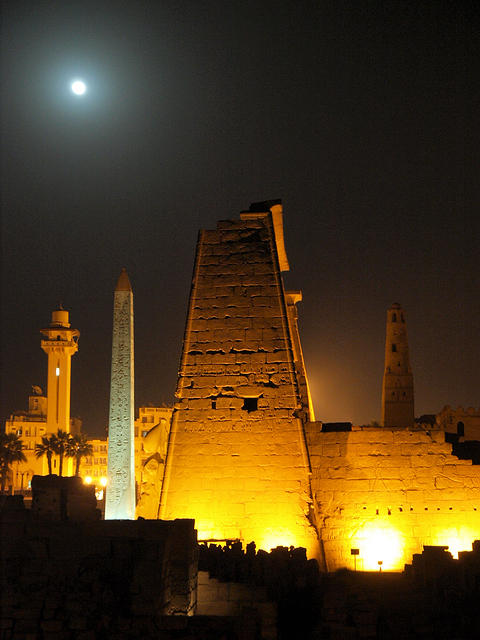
{"x": 120, "y": 500}
{"x": 397, "y": 391}
{"x": 60, "y": 344}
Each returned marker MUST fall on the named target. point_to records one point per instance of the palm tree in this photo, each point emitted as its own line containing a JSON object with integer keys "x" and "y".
{"x": 60, "y": 444}
{"x": 46, "y": 448}
{"x": 78, "y": 447}
{"x": 10, "y": 451}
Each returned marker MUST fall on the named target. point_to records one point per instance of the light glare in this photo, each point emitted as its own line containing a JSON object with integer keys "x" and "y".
{"x": 380, "y": 542}
{"x": 79, "y": 87}
{"x": 457, "y": 539}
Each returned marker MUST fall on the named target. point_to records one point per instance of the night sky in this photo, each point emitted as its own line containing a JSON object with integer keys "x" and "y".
{"x": 362, "y": 116}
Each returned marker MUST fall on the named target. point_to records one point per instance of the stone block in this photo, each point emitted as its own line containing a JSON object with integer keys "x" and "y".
{"x": 416, "y": 449}
{"x": 404, "y": 436}
{"x": 370, "y": 435}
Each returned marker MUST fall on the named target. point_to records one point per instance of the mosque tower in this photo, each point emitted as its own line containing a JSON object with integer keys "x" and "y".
{"x": 60, "y": 344}
{"x": 397, "y": 391}
{"x": 120, "y": 497}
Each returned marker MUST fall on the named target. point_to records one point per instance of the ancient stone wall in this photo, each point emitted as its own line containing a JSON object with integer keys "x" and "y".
{"x": 63, "y": 498}
{"x": 217, "y": 598}
{"x": 387, "y": 492}
{"x": 108, "y": 579}
{"x": 237, "y": 461}
{"x": 464, "y": 423}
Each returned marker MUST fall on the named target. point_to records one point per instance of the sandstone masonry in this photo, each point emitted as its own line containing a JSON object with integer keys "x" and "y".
{"x": 388, "y": 492}
{"x": 237, "y": 460}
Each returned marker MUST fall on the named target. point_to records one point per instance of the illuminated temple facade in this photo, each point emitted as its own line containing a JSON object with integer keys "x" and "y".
{"x": 242, "y": 453}
{"x": 237, "y": 460}
{"x": 246, "y": 458}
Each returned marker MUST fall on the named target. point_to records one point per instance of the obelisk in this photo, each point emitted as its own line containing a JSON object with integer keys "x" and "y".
{"x": 120, "y": 498}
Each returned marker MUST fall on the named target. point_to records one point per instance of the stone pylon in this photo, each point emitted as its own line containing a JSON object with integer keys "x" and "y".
{"x": 237, "y": 460}
{"x": 120, "y": 498}
{"x": 397, "y": 391}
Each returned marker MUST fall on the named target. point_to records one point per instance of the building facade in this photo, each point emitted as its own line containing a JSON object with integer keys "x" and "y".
{"x": 242, "y": 453}
{"x": 151, "y": 436}
{"x": 237, "y": 460}
{"x": 246, "y": 458}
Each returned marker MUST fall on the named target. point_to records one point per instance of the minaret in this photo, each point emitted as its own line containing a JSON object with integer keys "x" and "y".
{"x": 120, "y": 498}
{"x": 60, "y": 344}
{"x": 397, "y": 391}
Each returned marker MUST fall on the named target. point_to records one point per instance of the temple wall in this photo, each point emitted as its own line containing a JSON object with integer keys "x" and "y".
{"x": 237, "y": 459}
{"x": 105, "y": 579}
{"x": 468, "y": 420}
{"x": 388, "y": 492}
{"x": 217, "y": 598}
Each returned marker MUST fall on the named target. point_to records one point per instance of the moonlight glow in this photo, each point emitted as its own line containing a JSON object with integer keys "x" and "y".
{"x": 78, "y": 87}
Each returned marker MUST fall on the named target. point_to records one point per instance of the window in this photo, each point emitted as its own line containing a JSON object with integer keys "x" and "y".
{"x": 394, "y": 317}
{"x": 214, "y": 404}
{"x": 394, "y": 348}
{"x": 250, "y": 404}
{"x": 460, "y": 429}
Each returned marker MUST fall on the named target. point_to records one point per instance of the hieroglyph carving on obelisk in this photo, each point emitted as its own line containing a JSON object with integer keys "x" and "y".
{"x": 120, "y": 497}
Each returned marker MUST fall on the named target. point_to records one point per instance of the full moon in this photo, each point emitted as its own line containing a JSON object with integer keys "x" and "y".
{"x": 78, "y": 87}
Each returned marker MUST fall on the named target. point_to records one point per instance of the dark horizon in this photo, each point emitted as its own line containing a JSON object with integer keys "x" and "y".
{"x": 362, "y": 119}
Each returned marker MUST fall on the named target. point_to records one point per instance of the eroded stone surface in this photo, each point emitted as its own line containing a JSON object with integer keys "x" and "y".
{"x": 398, "y": 487}
{"x": 237, "y": 461}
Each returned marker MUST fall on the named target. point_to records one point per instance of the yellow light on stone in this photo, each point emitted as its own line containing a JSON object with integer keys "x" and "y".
{"x": 88, "y": 480}
{"x": 103, "y": 481}
{"x": 280, "y": 537}
{"x": 457, "y": 538}
{"x": 379, "y": 542}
